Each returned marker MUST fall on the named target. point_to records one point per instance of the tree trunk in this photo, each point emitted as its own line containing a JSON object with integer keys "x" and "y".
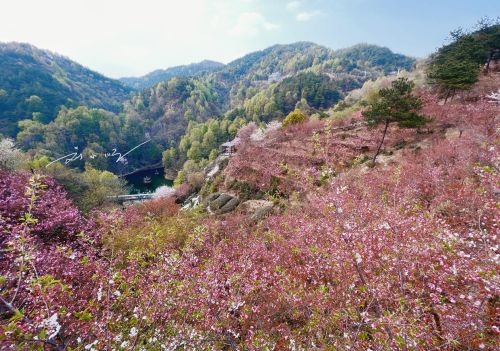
{"x": 381, "y": 142}
{"x": 486, "y": 70}
{"x": 447, "y": 96}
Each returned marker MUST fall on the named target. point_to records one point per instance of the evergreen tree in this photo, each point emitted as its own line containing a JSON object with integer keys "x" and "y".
{"x": 456, "y": 66}
{"x": 395, "y": 104}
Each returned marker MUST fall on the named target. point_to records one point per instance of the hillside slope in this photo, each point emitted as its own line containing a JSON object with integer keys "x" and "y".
{"x": 155, "y": 77}
{"x": 260, "y": 86}
{"x": 400, "y": 256}
{"x": 35, "y": 83}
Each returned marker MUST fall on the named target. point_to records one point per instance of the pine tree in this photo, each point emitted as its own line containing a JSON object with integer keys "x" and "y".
{"x": 395, "y": 105}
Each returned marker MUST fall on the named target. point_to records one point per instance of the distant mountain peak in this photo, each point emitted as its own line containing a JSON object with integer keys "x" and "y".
{"x": 159, "y": 75}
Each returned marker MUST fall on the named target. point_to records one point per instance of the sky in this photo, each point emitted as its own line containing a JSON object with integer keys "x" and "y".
{"x": 133, "y": 37}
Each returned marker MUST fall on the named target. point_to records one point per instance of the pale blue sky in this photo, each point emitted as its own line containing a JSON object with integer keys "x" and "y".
{"x": 126, "y": 37}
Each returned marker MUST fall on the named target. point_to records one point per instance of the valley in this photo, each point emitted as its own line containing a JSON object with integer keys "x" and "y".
{"x": 296, "y": 198}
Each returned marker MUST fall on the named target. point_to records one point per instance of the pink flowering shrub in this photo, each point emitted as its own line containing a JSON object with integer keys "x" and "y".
{"x": 400, "y": 258}
{"x": 403, "y": 256}
{"x": 289, "y": 156}
{"x": 56, "y": 216}
{"x": 48, "y": 264}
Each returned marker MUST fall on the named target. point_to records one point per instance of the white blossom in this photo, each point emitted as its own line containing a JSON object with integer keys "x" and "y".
{"x": 358, "y": 258}
{"x": 52, "y": 325}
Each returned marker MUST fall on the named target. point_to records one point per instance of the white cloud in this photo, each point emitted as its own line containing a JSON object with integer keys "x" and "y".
{"x": 293, "y": 6}
{"x": 307, "y": 15}
{"x": 301, "y": 14}
{"x": 250, "y": 24}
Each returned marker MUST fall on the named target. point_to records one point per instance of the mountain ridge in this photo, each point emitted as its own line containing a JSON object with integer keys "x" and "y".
{"x": 259, "y": 86}
{"x": 154, "y": 77}
{"x": 36, "y": 83}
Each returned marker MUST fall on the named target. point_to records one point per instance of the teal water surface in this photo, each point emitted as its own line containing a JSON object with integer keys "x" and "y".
{"x": 136, "y": 181}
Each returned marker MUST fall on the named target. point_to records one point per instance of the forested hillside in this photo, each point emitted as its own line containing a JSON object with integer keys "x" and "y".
{"x": 176, "y": 114}
{"x": 257, "y": 87}
{"x": 159, "y": 75}
{"x": 370, "y": 226}
{"x": 35, "y": 84}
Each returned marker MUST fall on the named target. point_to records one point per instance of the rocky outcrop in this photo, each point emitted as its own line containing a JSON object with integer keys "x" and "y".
{"x": 216, "y": 167}
{"x": 257, "y": 209}
{"x": 220, "y": 203}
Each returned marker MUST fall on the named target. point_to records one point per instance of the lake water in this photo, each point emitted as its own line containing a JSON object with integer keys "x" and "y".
{"x": 136, "y": 180}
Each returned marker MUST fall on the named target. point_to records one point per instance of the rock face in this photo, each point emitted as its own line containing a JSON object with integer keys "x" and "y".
{"x": 216, "y": 167}
{"x": 230, "y": 205}
{"x": 257, "y": 209}
{"x": 221, "y": 203}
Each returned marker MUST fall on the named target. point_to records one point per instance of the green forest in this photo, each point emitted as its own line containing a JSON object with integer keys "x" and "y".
{"x": 185, "y": 116}
{"x": 35, "y": 84}
{"x": 297, "y": 198}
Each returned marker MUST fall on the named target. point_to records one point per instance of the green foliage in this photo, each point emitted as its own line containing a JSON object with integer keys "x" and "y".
{"x": 150, "y": 79}
{"x": 189, "y": 115}
{"x": 246, "y": 190}
{"x": 89, "y": 189}
{"x": 456, "y": 66}
{"x": 147, "y": 238}
{"x": 366, "y": 56}
{"x": 34, "y": 81}
{"x": 294, "y": 117}
{"x": 180, "y": 179}
{"x": 100, "y": 185}
{"x": 318, "y": 91}
{"x": 200, "y": 144}
{"x": 308, "y": 91}
{"x": 92, "y": 132}
{"x": 396, "y": 104}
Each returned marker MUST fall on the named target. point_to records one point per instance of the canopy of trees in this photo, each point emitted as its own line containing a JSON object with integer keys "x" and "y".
{"x": 155, "y": 77}
{"x": 456, "y": 66}
{"x": 189, "y": 116}
{"x": 36, "y": 83}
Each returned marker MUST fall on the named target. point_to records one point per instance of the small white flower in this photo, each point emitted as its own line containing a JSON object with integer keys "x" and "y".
{"x": 99, "y": 294}
{"x": 91, "y": 346}
{"x": 52, "y": 325}
{"x": 358, "y": 258}
{"x": 385, "y": 226}
{"x": 133, "y": 332}
{"x": 117, "y": 293}
{"x": 124, "y": 344}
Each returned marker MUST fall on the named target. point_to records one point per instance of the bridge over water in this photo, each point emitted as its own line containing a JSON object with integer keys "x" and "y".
{"x": 132, "y": 197}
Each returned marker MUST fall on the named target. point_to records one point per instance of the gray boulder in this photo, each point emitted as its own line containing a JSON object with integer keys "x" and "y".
{"x": 257, "y": 209}
{"x": 211, "y": 197}
{"x": 261, "y": 213}
{"x": 219, "y": 201}
{"x": 229, "y": 206}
